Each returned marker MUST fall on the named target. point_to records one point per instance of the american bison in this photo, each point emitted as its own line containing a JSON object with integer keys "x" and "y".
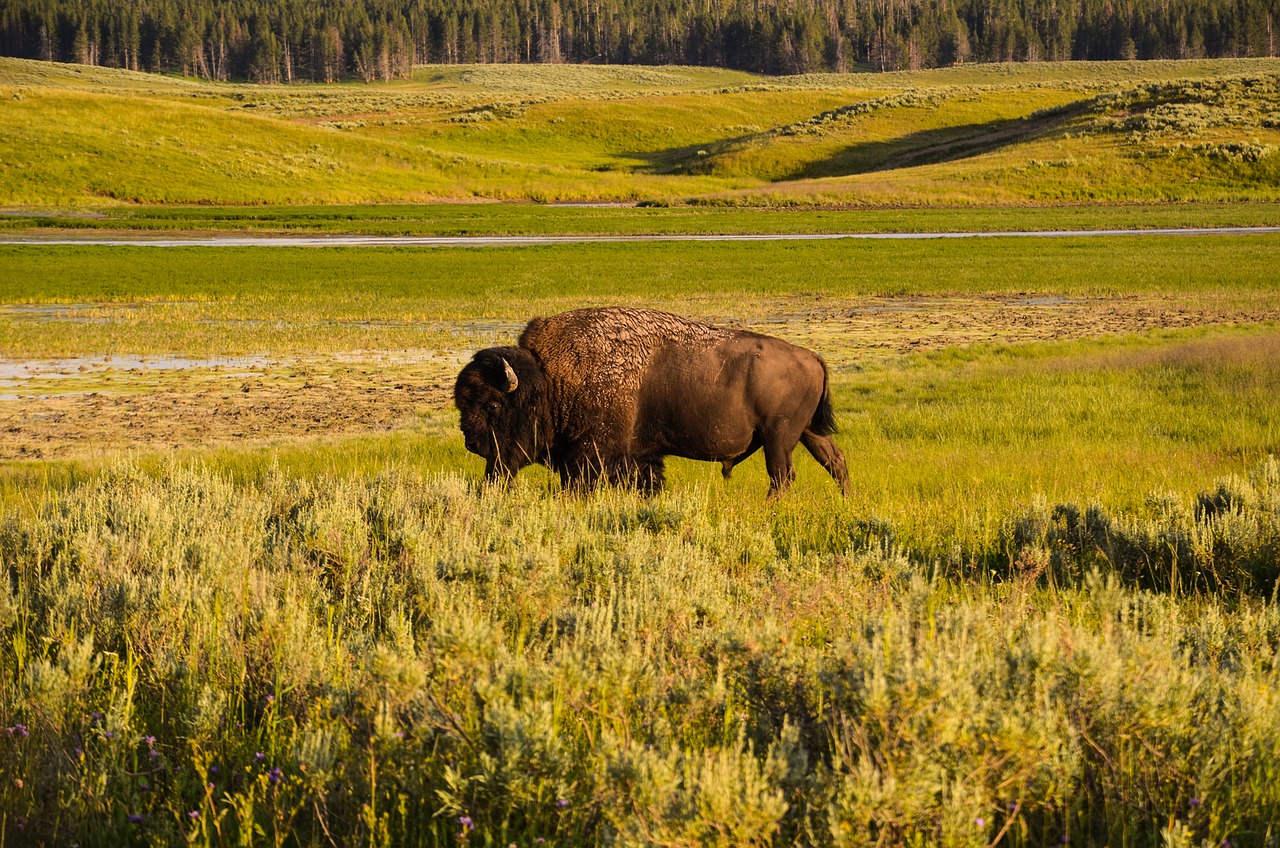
{"x": 607, "y": 394}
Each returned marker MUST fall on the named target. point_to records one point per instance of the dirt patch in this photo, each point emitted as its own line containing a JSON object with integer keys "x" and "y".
{"x": 75, "y": 413}
{"x": 184, "y": 410}
{"x": 845, "y": 332}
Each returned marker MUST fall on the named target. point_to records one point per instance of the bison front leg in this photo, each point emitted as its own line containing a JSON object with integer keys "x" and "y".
{"x": 650, "y": 474}
{"x": 727, "y": 465}
{"x": 645, "y": 474}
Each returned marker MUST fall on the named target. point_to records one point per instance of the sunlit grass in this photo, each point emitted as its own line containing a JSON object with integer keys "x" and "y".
{"x": 223, "y": 301}
{"x": 197, "y": 653}
{"x": 507, "y": 219}
{"x": 83, "y": 137}
{"x": 1046, "y": 615}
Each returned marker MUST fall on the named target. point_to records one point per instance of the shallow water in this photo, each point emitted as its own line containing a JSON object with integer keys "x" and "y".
{"x": 14, "y": 371}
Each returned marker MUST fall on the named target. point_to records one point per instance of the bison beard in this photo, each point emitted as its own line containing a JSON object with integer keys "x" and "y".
{"x": 607, "y": 394}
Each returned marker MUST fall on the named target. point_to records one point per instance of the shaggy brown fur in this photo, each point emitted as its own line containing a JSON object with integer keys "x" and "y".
{"x": 608, "y": 393}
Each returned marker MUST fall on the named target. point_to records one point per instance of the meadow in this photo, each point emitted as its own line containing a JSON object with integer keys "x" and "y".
{"x": 257, "y": 593}
{"x": 1046, "y": 615}
{"x": 1041, "y": 134}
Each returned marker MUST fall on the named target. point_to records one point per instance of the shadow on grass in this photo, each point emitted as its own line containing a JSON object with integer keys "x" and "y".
{"x": 921, "y": 148}
{"x": 926, "y": 147}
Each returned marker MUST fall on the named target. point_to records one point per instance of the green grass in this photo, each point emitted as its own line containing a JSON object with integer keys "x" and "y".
{"x": 403, "y": 657}
{"x": 216, "y": 301}
{"x": 1047, "y": 613}
{"x": 83, "y": 137}
{"x": 507, "y": 219}
{"x": 946, "y": 443}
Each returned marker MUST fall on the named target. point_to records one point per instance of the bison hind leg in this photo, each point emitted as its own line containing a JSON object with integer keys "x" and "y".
{"x": 823, "y": 449}
{"x": 777, "y": 461}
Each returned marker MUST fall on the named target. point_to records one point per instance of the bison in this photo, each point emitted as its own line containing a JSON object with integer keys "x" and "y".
{"x": 607, "y": 394}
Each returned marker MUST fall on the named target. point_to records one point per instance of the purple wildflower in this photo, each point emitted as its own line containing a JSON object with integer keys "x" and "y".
{"x": 95, "y": 715}
{"x": 150, "y": 740}
{"x": 980, "y": 822}
{"x": 259, "y": 756}
{"x": 271, "y": 699}
{"x": 136, "y": 819}
{"x": 274, "y": 775}
{"x": 144, "y": 787}
{"x": 213, "y": 769}
{"x": 561, "y": 803}
{"x": 193, "y": 815}
{"x": 1194, "y": 802}
{"x": 79, "y": 752}
{"x": 109, "y": 734}
{"x": 465, "y": 821}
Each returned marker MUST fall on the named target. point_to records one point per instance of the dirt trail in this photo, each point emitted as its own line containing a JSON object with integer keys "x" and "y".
{"x": 125, "y": 239}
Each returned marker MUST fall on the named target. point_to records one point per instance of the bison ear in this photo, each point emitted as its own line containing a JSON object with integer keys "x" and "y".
{"x": 513, "y": 382}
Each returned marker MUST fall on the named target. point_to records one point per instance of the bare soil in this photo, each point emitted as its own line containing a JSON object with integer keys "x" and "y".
{"x": 373, "y": 391}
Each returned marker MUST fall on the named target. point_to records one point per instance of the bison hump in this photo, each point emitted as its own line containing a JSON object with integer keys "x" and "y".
{"x": 595, "y": 360}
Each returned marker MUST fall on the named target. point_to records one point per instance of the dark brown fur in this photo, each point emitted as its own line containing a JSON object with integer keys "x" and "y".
{"x": 609, "y": 393}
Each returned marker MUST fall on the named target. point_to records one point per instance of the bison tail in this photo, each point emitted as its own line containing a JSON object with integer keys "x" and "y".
{"x": 824, "y": 417}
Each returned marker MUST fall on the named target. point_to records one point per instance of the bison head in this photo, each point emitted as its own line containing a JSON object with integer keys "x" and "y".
{"x": 500, "y": 399}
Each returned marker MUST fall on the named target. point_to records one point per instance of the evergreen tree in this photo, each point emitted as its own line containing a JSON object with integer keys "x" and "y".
{"x": 327, "y": 40}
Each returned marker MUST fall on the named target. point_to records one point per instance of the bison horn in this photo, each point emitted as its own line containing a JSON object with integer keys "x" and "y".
{"x": 513, "y": 382}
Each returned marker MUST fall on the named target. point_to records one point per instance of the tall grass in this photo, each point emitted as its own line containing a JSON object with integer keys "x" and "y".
{"x": 405, "y": 658}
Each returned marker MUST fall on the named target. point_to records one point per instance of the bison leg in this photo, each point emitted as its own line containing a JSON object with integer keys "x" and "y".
{"x": 579, "y": 477}
{"x": 727, "y": 465}
{"x": 777, "y": 461}
{"x": 823, "y": 449}
{"x": 644, "y": 473}
{"x": 649, "y": 475}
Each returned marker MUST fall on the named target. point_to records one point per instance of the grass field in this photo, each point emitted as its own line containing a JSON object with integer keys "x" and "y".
{"x": 518, "y": 219}
{"x": 1154, "y": 132}
{"x": 255, "y": 587}
{"x": 257, "y": 593}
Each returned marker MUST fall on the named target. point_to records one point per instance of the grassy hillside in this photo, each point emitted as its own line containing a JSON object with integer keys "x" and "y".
{"x": 984, "y": 135}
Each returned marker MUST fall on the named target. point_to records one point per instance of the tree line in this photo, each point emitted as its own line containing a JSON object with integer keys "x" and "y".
{"x": 327, "y": 40}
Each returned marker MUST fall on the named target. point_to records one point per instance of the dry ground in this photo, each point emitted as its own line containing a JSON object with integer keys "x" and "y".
{"x": 109, "y": 409}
